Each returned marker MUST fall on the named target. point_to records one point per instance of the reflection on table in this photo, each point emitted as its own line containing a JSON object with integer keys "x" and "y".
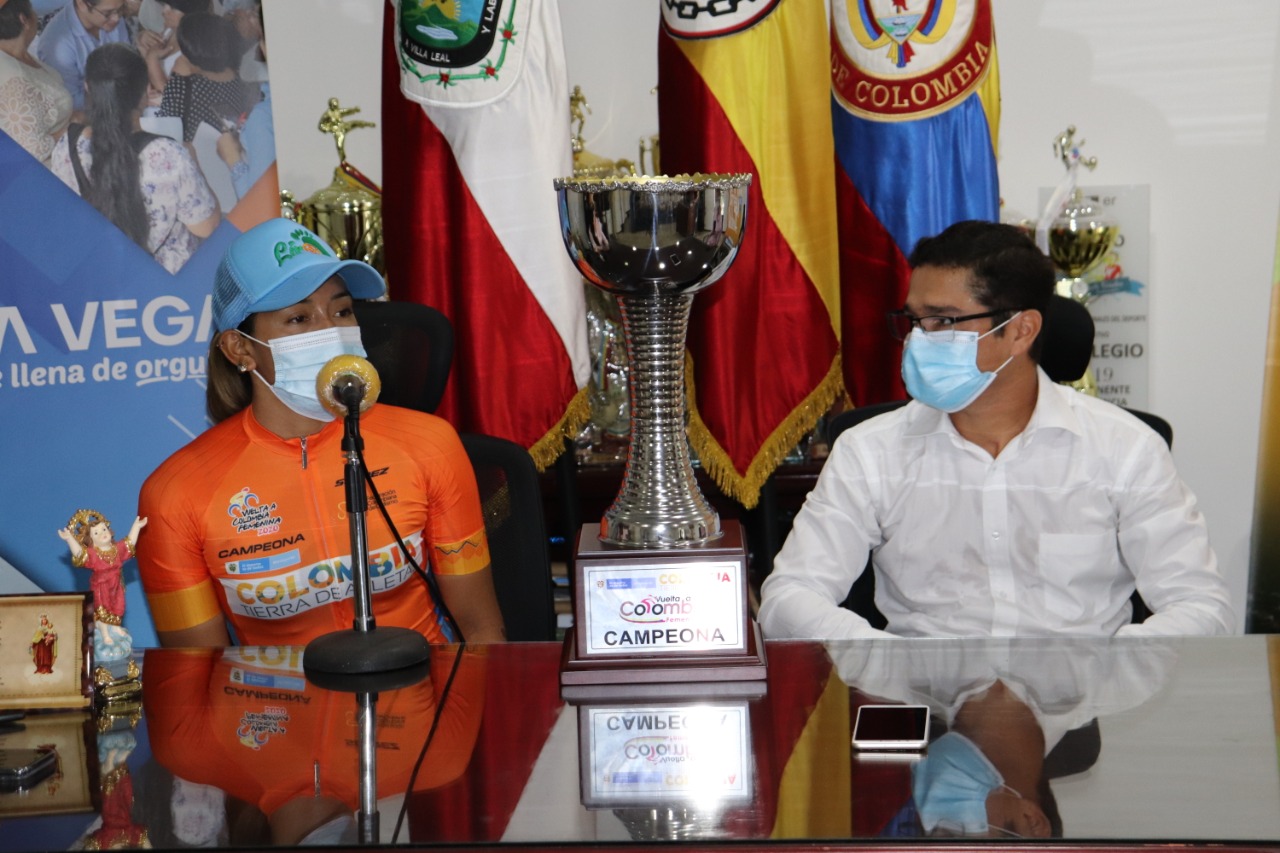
{"x": 1128, "y": 741}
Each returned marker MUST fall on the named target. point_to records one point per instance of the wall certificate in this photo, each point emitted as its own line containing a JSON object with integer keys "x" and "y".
{"x": 45, "y": 650}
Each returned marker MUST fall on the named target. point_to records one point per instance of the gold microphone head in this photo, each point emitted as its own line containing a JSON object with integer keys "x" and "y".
{"x": 341, "y": 366}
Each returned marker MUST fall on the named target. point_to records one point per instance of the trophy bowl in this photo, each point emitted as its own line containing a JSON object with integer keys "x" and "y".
{"x": 641, "y": 235}
{"x": 653, "y": 242}
{"x": 1079, "y": 239}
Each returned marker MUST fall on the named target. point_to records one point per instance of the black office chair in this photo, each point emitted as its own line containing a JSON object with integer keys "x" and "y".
{"x": 411, "y": 347}
{"x": 1065, "y": 351}
{"x": 1068, "y": 347}
{"x": 511, "y": 501}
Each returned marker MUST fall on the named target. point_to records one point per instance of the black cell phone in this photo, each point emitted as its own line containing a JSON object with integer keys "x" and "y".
{"x": 891, "y": 727}
{"x": 23, "y": 768}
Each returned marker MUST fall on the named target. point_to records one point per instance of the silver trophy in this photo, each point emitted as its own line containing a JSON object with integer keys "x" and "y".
{"x": 654, "y": 242}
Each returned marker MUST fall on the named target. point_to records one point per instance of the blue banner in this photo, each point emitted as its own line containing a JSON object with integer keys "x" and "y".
{"x": 102, "y": 370}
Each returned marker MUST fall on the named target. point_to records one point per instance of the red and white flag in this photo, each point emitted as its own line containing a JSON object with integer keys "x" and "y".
{"x": 475, "y": 110}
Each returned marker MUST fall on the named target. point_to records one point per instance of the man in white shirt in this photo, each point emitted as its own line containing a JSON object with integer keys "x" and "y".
{"x": 996, "y": 503}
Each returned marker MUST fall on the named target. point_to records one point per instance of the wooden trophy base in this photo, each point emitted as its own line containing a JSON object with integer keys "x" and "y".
{"x": 654, "y": 578}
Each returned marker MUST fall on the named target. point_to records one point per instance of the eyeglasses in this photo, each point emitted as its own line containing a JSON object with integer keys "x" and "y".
{"x": 113, "y": 15}
{"x": 901, "y": 322}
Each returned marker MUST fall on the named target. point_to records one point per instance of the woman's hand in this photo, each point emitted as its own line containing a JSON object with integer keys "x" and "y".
{"x": 229, "y": 148}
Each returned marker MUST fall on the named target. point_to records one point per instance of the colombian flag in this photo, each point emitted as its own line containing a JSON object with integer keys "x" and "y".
{"x": 915, "y": 108}
{"x": 475, "y": 109}
{"x": 746, "y": 90}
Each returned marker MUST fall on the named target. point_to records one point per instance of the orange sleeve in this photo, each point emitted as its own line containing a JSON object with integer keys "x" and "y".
{"x": 455, "y": 529}
{"x": 180, "y": 592}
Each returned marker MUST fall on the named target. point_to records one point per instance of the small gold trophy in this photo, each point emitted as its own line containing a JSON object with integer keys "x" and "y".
{"x": 1081, "y": 235}
{"x": 348, "y": 212}
{"x": 604, "y": 438}
{"x": 587, "y": 164}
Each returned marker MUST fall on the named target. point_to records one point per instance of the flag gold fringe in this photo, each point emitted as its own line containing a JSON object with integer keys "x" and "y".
{"x": 547, "y": 449}
{"x": 745, "y": 489}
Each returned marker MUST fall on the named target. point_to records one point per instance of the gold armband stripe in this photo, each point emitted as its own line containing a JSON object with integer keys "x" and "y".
{"x": 184, "y": 608}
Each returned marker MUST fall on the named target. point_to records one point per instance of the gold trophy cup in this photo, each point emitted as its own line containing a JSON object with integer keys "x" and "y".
{"x": 1080, "y": 238}
{"x": 347, "y": 214}
{"x": 1081, "y": 235}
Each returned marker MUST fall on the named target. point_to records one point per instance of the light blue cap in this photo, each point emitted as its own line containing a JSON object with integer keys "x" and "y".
{"x": 277, "y": 264}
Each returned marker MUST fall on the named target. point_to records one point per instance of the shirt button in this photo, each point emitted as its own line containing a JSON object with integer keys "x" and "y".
{"x": 995, "y": 534}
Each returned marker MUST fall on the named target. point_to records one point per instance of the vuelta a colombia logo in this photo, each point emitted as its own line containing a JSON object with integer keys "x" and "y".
{"x": 657, "y": 608}
{"x": 895, "y": 60}
{"x": 256, "y": 728}
{"x": 249, "y": 513}
{"x": 658, "y": 749}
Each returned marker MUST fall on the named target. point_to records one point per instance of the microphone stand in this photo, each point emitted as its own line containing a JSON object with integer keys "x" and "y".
{"x": 366, "y": 648}
{"x": 367, "y": 819}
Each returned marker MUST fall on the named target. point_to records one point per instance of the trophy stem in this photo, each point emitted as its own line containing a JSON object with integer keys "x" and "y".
{"x": 659, "y": 504}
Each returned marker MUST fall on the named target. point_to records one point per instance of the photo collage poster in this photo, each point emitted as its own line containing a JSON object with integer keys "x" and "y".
{"x": 105, "y": 276}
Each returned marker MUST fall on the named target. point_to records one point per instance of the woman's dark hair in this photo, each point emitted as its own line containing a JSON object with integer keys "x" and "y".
{"x": 208, "y": 41}
{"x": 228, "y": 390}
{"x": 115, "y": 80}
{"x": 11, "y": 15}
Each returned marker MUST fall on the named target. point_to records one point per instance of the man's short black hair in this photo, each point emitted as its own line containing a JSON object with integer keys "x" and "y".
{"x": 1006, "y": 269}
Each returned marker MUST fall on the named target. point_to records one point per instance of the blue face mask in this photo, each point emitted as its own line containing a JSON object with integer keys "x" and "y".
{"x": 940, "y": 369}
{"x": 298, "y": 359}
{"x": 951, "y": 784}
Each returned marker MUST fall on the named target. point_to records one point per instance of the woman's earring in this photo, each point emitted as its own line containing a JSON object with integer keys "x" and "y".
{"x": 244, "y": 368}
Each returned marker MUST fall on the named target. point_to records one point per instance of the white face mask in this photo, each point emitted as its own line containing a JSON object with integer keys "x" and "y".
{"x": 298, "y": 359}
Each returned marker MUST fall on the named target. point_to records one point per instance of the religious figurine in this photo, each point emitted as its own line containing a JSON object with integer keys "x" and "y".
{"x": 93, "y": 546}
{"x": 118, "y": 830}
{"x": 334, "y": 121}
{"x": 44, "y": 646}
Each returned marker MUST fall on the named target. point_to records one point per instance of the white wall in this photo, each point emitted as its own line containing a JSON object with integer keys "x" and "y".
{"x": 1168, "y": 93}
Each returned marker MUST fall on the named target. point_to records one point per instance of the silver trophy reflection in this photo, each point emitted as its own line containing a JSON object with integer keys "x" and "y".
{"x": 654, "y": 242}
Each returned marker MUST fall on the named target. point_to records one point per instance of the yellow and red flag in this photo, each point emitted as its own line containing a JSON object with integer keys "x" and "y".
{"x": 475, "y": 111}
{"x": 745, "y": 88}
{"x": 1264, "y": 575}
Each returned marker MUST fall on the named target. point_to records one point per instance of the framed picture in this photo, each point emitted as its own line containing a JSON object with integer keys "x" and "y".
{"x": 73, "y": 784}
{"x": 46, "y": 650}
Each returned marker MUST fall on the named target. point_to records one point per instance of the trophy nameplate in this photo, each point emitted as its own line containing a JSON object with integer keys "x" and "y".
{"x": 646, "y": 615}
{"x": 659, "y": 754}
